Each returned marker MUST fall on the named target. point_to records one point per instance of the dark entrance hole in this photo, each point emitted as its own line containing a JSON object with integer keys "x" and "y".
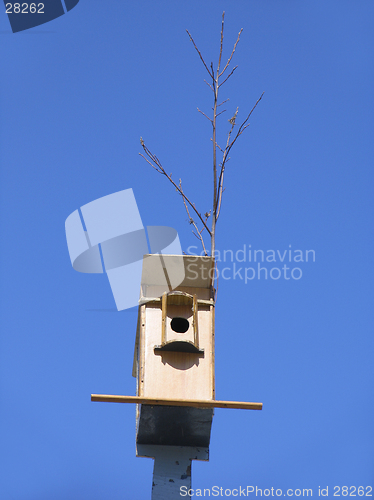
{"x": 179, "y": 325}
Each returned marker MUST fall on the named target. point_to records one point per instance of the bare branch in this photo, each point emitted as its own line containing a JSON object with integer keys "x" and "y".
{"x": 218, "y": 172}
{"x": 209, "y": 85}
{"x": 229, "y": 145}
{"x": 217, "y": 281}
{"x": 206, "y": 116}
{"x": 227, "y": 77}
{"x": 232, "y": 53}
{"x": 213, "y": 79}
{"x": 232, "y": 120}
{"x": 220, "y": 113}
{"x": 198, "y": 51}
{"x": 223, "y": 102}
{"x": 243, "y": 126}
{"x": 218, "y": 146}
{"x": 214, "y": 205}
{"x": 160, "y": 169}
{"x": 157, "y": 170}
{"x": 221, "y": 190}
{"x": 223, "y": 165}
{"x": 221, "y": 45}
{"x": 192, "y": 221}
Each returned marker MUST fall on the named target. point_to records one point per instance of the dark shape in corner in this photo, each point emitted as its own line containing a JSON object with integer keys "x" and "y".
{"x": 44, "y": 12}
{"x": 70, "y": 4}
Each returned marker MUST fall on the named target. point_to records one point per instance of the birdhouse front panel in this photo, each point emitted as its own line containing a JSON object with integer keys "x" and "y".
{"x": 176, "y": 373}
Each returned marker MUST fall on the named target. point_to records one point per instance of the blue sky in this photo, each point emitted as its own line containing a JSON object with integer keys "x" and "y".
{"x": 76, "y": 95}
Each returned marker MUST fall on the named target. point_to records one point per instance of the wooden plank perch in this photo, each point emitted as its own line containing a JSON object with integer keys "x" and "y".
{"x": 197, "y": 403}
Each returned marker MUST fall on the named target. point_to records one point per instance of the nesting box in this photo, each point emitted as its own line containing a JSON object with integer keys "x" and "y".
{"x": 174, "y": 351}
{"x": 174, "y": 355}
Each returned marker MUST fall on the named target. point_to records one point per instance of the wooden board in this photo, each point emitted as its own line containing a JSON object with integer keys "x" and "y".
{"x": 196, "y": 403}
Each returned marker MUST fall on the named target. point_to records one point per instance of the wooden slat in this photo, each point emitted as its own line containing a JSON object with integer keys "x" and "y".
{"x": 141, "y": 352}
{"x": 213, "y": 340}
{"x": 164, "y": 313}
{"x": 195, "y": 323}
{"x": 146, "y": 300}
{"x": 136, "y": 354}
{"x": 197, "y": 403}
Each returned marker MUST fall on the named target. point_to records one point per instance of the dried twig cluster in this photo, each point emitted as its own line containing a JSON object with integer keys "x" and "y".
{"x": 215, "y": 84}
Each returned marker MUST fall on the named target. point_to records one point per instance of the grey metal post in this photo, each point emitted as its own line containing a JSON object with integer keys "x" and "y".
{"x": 172, "y": 468}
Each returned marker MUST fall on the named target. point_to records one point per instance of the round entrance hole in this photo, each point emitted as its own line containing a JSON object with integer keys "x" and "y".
{"x": 180, "y": 325}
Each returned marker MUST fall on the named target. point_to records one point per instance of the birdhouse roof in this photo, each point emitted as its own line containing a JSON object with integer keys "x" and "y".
{"x": 177, "y": 270}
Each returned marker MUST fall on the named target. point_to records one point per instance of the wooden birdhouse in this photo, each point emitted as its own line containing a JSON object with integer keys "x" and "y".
{"x": 174, "y": 356}
{"x": 174, "y": 351}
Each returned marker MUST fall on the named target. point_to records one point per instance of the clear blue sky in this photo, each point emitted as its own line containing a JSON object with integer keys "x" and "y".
{"x": 76, "y": 95}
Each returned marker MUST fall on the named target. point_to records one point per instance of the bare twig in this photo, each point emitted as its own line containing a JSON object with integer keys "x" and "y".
{"x": 201, "y": 57}
{"x": 220, "y": 113}
{"x": 213, "y": 79}
{"x": 206, "y": 116}
{"x": 223, "y": 102}
{"x": 221, "y": 44}
{"x": 223, "y": 164}
{"x": 219, "y": 147}
{"x": 191, "y": 221}
{"x": 218, "y": 180}
{"x": 243, "y": 126}
{"x": 160, "y": 169}
{"x": 217, "y": 281}
{"x": 209, "y": 85}
{"x": 229, "y": 145}
{"x": 232, "y": 53}
{"x": 227, "y": 77}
